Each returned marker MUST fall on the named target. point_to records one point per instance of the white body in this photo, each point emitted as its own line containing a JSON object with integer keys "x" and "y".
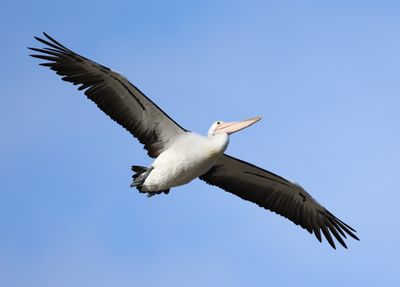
{"x": 189, "y": 156}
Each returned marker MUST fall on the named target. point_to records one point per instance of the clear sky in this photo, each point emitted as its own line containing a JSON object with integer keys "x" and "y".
{"x": 323, "y": 74}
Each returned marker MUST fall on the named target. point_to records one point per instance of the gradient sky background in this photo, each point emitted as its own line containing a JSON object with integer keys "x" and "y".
{"x": 325, "y": 77}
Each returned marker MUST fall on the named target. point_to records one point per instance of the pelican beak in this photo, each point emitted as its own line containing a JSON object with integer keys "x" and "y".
{"x": 232, "y": 127}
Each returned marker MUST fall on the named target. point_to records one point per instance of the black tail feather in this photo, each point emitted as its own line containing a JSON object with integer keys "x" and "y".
{"x": 139, "y": 169}
{"x": 139, "y": 177}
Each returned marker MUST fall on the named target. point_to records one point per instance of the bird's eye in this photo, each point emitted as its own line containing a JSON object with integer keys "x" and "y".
{"x": 218, "y": 123}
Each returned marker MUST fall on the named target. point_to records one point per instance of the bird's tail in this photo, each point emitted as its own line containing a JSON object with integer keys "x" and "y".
{"x": 139, "y": 177}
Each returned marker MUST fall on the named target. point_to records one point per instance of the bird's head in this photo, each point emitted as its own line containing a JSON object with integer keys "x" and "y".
{"x": 221, "y": 127}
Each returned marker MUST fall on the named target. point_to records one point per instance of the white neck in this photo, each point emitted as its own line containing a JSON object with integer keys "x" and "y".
{"x": 219, "y": 141}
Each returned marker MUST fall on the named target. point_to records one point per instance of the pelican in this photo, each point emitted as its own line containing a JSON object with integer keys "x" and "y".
{"x": 180, "y": 155}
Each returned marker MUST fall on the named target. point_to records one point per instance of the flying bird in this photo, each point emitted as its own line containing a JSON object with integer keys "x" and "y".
{"x": 180, "y": 155}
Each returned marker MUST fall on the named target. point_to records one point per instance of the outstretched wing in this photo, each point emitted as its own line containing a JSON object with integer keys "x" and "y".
{"x": 275, "y": 193}
{"x": 113, "y": 94}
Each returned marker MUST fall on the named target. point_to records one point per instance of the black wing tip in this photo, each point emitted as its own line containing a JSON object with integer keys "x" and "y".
{"x": 45, "y": 35}
{"x": 336, "y": 225}
{"x": 51, "y": 42}
{"x": 52, "y": 39}
{"x": 355, "y": 237}
{"x": 347, "y": 228}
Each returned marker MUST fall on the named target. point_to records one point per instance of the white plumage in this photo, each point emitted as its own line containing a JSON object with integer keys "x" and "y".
{"x": 189, "y": 156}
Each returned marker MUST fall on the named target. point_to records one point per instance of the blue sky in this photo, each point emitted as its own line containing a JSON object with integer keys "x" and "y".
{"x": 325, "y": 77}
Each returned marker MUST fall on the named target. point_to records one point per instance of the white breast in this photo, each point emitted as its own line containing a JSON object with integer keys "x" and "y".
{"x": 190, "y": 156}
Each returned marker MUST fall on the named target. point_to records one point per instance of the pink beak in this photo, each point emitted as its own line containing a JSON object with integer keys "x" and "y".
{"x": 232, "y": 127}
